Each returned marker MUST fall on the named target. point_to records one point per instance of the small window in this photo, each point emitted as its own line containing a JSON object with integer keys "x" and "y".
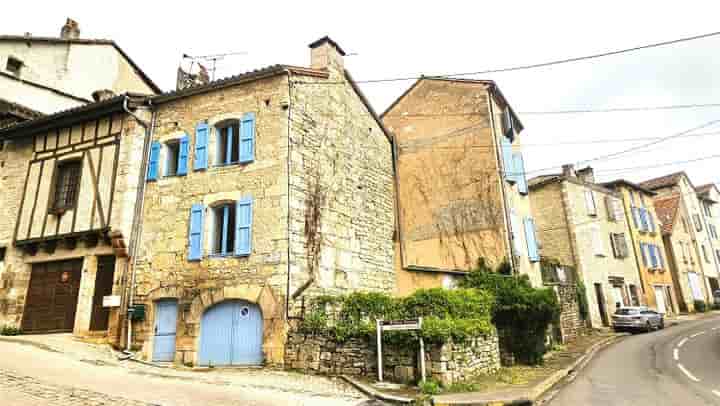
{"x": 2, "y": 254}
{"x": 67, "y": 185}
{"x": 634, "y": 297}
{"x": 172, "y": 157}
{"x": 684, "y": 224}
{"x": 705, "y": 254}
{"x": 228, "y": 143}
{"x": 590, "y": 203}
{"x": 223, "y": 237}
{"x": 14, "y": 65}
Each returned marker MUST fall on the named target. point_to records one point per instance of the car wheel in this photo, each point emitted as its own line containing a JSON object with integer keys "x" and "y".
{"x": 662, "y": 324}
{"x": 648, "y": 327}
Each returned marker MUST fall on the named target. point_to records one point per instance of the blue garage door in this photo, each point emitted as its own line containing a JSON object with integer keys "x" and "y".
{"x": 231, "y": 334}
{"x": 165, "y": 327}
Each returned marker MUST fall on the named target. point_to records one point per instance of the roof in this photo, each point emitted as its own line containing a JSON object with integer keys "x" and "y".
{"x": 703, "y": 191}
{"x": 327, "y": 39}
{"x": 704, "y": 188}
{"x": 48, "y": 88}
{"x": 489, "y": 83}
{"x": 84, "y": 41}
{"x": 663, "y": 181}
{"x": 542, "y": 180}
{"x": 624, "y": 182}
{"x": 70, "y": 116}
{"x": 9, "y": 108}
{"x": 666, "y": 210}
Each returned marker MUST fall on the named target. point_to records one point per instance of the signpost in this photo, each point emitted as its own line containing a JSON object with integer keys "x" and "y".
{"x": 111, "y": 301}
{"x": 399, "y": 325}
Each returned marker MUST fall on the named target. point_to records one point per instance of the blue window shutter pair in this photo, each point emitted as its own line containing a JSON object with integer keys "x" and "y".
{"x": 507, "y": 159}
{"x": 653, "y": 255}
{"x": 201, "y": 146}
{"x": 247, "y": 138}
{"x": 197, "y": 217}
{"x": 243, "y": 223}
{"x": 520, "y": 173}
{"x": 154, "y": 161}
{"x": 533, "y": 252}
{"x": 184, "y": 151}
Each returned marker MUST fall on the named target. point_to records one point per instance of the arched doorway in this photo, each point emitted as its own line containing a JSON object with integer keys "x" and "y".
{"x": 231, "y": 333}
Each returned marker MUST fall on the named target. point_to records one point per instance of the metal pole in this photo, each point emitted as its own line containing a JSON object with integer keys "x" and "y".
{"x": 422, "y": 352}
{"x": 379, "y": 349}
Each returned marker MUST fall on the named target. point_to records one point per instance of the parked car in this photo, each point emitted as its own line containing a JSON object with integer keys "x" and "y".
{"x": 637, "y": 318}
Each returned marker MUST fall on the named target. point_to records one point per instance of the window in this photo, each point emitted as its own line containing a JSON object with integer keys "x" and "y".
{"x": 228, "y": 137}
{"x": 614, "y": 208}
{"x": 698, "y": 223}
{"x": 619, "y": 245}
{"x": 597, "y": 241}
{"x": 507, "y": 159}
{"x": 708, "y": 212}
{"x": 717, "y": 255}
{"x": 705, "y": 254}
{"x": 14, "y": 65}
{"x": 172, "y": 155}
{"x": 634, "y": 295}
{"x": 531, "y": 239}
{"x": 2, "y": 259}
{"x": 519, "y": 168}
{"x": 67, "y": 185}
{"x": 223, "y": 234}
{"x": 507, "y": 121}
{"x": 684, "y": 224}
{"x": 590, "y": 203}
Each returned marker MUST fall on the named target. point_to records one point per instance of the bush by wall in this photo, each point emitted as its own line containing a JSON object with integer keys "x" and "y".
{"x": 521, "y": 312}
{"x": 9, "y": 331}
{"x": 700, "y": 306}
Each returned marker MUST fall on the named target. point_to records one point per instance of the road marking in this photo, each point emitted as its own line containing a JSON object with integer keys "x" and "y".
{"x": 715, "y": 328}
{"x": 716, "y": 393}
{"x": 682, "y": 342}
{"x": 697, "y": 334}
{"x": 675, "y": 354}
{"x": 686, "y": 372}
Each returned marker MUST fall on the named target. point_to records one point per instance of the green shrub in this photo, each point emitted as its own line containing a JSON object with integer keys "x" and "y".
{"x": 700, "y": 306}
{"x": 9, "y": 331}
{"x": 522, "y": 312}
{"x": 430, "y": 387}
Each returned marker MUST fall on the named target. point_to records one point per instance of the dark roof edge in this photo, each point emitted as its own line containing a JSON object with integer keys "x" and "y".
{"x": 559, "y": 178}
{"x": 419, "y": 268}
{"x": 38, "y": 85}
{"x": 20, "y": 110}
{"x": 367, "y": 104}
{"x": 329, "y": 40}
{"x": 626, "y": 182}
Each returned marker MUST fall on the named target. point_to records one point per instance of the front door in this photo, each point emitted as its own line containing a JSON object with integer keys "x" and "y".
{"x": 103, "y": 287}
{"x": 231, "y": 333}
{"x": 165, "y": 327}
{"x": 669, "y": 300}
{"x": 660, "y": 299}
{"x": 601, "y": 304}
{"x": 52, "y": 297}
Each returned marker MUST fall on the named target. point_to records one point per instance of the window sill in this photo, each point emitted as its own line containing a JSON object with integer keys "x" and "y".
{"x": 225, "y": 256}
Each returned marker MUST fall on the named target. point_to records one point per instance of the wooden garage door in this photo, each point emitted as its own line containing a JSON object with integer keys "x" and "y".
{"x": 51, "y": 300}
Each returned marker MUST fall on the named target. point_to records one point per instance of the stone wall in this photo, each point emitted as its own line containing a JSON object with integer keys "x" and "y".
{"x": 571, "y": 325}
{"x": 447, "y": 363}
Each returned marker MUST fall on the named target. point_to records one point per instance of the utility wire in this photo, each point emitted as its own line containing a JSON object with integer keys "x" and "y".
{"x": 536, "y": 65}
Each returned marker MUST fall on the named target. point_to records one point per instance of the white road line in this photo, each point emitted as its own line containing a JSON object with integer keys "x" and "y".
{"x": 715, "y": 328}
{"x": 716, "y": 393}
{"x": 675, "y": 354}
{"x": 686, "y": 372}
{"x": 682, "y": 342}
{"x": 697, "y": 334}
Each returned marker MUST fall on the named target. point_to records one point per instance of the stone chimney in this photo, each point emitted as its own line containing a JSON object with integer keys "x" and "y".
{"x": 586, "y": 175}
{"x": 326, "y": 54}
{"x": 102, "y": 94}
{"x": 71, "y": 30}
{"x": 568, "y": 170}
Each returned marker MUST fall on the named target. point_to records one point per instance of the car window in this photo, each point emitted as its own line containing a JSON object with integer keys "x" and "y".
{"x": 626, "y": 311}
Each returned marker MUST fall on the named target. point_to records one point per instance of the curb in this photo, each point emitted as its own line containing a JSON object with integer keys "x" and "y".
{"x": 534, "y": 395}
{"x": 372, "y": 392}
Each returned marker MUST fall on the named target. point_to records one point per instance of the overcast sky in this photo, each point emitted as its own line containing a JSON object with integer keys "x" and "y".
{"x": 394, "y": 39}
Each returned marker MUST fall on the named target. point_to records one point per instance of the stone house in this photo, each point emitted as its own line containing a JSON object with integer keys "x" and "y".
{"x": 693, "y": 210}
{"x": 581, "y": 225}
{"x": 44, "y": 75}
{"x": 461, "y": 187}
{"x": 262, "y": 189}
{"x": 709, "y": 197}
{"x": 650, "y": 253}
{"x": 682, "y": 258}
{"x": 69, "y": 183}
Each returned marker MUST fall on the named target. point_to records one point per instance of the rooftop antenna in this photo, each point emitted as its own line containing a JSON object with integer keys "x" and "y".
{"x": 212, "y": 58}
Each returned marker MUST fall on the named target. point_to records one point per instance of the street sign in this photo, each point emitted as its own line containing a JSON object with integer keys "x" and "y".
{"x": 399, "y": 325}
{"x": 111, "y": 301}
{"x": 394, "y": 325}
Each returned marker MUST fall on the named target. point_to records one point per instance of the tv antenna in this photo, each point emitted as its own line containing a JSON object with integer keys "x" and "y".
{"x": 211, "y": 58}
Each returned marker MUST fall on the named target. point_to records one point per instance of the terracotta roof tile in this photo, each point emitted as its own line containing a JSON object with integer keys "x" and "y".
{"x": 666, "y": 210}
{"x": 663, "y": 181}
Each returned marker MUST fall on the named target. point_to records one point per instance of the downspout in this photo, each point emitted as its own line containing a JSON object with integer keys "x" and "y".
{"x": 398, "y": 215}
{"x": 506, "y": 213}
{"x": 137, "y": 215}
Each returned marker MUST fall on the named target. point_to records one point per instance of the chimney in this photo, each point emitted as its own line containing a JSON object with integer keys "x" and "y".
{"x": 102, "y": 94}
{"x": 70, "y": 30}
{"x": 586, "y": 175}
{"x": 568, "y": 170}
{"x": 326, "y": 54}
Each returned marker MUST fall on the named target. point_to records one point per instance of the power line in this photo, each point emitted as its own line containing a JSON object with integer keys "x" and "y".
{"x": 537, "y": 65}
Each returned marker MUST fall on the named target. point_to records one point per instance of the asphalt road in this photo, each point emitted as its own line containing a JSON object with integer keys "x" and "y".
{"x": 676, "y": 366}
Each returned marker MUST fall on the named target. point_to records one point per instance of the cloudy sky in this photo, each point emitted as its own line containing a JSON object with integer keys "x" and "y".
{"x": 399, "y": 39}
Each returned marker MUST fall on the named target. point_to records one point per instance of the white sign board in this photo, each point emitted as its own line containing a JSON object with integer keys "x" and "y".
{"x": 111, "y": 301}
{"x": 404, "y": 326}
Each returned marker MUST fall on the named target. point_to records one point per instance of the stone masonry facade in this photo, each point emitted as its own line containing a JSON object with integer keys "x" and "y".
{"x": 447, "y": 363}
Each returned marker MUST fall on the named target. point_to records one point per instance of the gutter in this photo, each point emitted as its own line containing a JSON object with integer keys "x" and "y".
{"x": 137, "y": 215}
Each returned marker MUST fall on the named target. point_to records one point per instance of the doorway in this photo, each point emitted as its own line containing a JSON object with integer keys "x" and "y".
{"x": 165, "y": 330}
{"x": 103, "y": 287}
{"x": 602, "y": 306}
{"x": 660, "y": 299}
{"x": 52, "y": 297}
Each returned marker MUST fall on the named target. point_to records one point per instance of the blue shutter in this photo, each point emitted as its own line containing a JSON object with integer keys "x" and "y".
{"x": 515, "y": 225}
{"x": 154, "y": 161}
{"x": 651, "y": 222}
{"x": 635, "y": 215}
{"x": 201, "y": 146}
{"x": 247, "y": 138}
{"x": 243, "y": 223}
{"x": 533, "y": 254}
{"x": 520, "y": 173}
{"x": 653, "y": 255}
{"x": 507, "y": 159}
{"x": 197, "y": 215}
{"x": 182, "y": 164}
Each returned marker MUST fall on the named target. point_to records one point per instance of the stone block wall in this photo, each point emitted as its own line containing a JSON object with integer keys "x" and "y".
{"x": 571, "y": 324}
{"x": 447, "y": 363}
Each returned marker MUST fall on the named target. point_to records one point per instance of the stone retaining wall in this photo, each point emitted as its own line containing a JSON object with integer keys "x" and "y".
{"x": 571, "y": 324}
{"x": 447, "y": 363}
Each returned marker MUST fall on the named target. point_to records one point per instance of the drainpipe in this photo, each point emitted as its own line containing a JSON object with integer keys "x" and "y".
{"x": 506, "y": 213}
{"x": 398, "y": 215}
{"x": 137, "y": 215}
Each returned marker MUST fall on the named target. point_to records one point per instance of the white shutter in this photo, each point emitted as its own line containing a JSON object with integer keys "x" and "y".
{"x": 590, "y": 202}
{"x": 613, "y": 246}
{"x": 623, "y": 244}
{"x": 598, "y": 246}
{"x": 619, "y": 210}
{"x": 610, "y": 207}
